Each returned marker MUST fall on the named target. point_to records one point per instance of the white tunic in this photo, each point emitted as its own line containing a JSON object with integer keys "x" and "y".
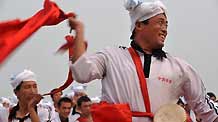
{"x": 168, "y": 80}
{"x": 43, "y": 112}
{"x": 57, "y": 119}
{"x": 3, "y": 114}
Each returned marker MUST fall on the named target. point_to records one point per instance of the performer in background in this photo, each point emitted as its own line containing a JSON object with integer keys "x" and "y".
{"x": 26, "y": 90}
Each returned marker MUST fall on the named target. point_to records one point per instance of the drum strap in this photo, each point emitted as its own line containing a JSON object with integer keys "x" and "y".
{"x": 137, "y": 61}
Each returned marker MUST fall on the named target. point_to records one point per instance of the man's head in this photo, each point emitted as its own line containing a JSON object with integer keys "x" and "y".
{"x": 24, "y": 85}
{"x": 64, "y": 107}
{"x": 148, "y": 22}
{"x": 56, "y": 96}
{"x": 78, "y": 92}
{"x": 5, "y": 102}
{"x": 84, "y": 104}
{"x": 212, "y": 96}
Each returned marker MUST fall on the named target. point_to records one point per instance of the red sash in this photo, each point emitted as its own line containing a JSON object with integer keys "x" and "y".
{"x": 143, "y": 85}
{"x": 106, "y": 112}
{"x": 81, "y": 119}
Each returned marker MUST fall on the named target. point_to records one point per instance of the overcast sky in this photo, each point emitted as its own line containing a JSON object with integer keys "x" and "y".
{"x": 192, "y": 35}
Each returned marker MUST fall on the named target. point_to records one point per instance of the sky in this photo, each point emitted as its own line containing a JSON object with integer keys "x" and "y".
{"x": 192, "y": 36}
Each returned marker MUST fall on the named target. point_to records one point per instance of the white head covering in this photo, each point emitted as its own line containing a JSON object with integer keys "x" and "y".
{"x": 96, "y": 99}
{"x": 5, "y": 100}
{"x": 140, "y": 11}
{"x": 70, "y": 95}
{"x": 26, "y": 75}
{"x": 80, "y": 88}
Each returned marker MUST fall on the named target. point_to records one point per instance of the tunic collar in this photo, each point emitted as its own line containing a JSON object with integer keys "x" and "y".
{"x": 158, "y": 53}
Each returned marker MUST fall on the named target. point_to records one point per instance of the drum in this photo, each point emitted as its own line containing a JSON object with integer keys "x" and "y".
{"x": 171, "y": 113}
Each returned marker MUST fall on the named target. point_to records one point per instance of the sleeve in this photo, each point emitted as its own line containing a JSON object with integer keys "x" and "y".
{"x": 45, "y": 114}
{"x": 89, "y": 67}
{"x": 195, "y": 94}
{"x": 4, "y": 113}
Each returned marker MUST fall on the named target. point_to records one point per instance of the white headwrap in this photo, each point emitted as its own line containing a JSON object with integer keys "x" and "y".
{"x": 140, "y": 11}
{"x": 26, "y": 75}
{"x": 80, "y": 88}
{"x": 5, "y": 100}
{"x": 70, "y": 95}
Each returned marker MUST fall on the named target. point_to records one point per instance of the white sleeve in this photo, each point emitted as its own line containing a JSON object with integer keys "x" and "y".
{"x": 89, "y": 67}
{"x": 195, "y": 94}
{"x": 4, "y": 113}
{"x": 45, "y": 114}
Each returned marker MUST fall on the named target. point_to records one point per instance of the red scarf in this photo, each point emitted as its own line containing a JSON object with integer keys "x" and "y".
{"x": 14, "y": 33}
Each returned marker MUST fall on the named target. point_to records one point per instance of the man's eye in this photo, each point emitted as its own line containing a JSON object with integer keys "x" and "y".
{"x": 160, "y": 22}
{"x": 26, "y": 87}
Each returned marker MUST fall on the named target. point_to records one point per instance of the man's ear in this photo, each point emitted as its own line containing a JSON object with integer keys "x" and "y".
{"x": 15, "y": 92}
{"x": 139, "y": 26}
{"x": 57, "y": 109}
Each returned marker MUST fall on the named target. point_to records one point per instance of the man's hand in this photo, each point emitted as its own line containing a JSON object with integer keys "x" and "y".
{"x": 79, "y": 46}
{"x": 76, "y": 24}
{"x": 34, "y": 100}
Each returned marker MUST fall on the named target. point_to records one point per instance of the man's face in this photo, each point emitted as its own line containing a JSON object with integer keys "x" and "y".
{"x": 6, "y": 105}
{"x": 27, "y": 89}
{"x": 64, "y": 109}
{"x": 213, "y": 98}
{"x": 155, "y": 32}
{"x": 57, "y": 96}
{"x": 85, "y": 108}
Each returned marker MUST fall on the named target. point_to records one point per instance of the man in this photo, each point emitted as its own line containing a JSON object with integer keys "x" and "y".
{"x": 84, "y": 105}
{"x": 25, "y": 88}
{"x": 64, "y": 109}
{"x": 55, "y": 97}
{"x": 212, "y": 96}
{"x": 124, "y": 71}
{"x": 5, "y": 102}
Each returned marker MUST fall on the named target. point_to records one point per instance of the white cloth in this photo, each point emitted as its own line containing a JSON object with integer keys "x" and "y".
{"x": 167, "y": 81}
{"x": 26, "y": 75}
{"x": 79, "y": 88}
{"x": 43, "y": 112}
{"x": 75, "y": 117}
{"x": 50, "y": 107}
{"x": 3, "y": 114}
{"x": 140, "y": 11}
{"x": 57, "y": 119}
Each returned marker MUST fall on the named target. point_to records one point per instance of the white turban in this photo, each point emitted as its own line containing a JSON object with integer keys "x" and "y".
{"x": 140, "y": 11}
{"x": 80, "y": 88}
{"x": 5, "y": 100}
{"x": 26, "y": 75}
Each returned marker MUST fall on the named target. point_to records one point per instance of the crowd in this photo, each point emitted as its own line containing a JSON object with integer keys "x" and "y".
{"x": 28, "y": 106}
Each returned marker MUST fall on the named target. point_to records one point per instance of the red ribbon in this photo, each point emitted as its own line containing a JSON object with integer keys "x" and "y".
{"x": 14, "y": 33}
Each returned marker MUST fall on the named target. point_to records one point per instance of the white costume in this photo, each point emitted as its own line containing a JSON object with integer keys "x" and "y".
{"x": 43, "y": 112}
{"x": 168, "y": 80}
{"x": 57, "y": 119}
{"x": 3, "y": 114}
